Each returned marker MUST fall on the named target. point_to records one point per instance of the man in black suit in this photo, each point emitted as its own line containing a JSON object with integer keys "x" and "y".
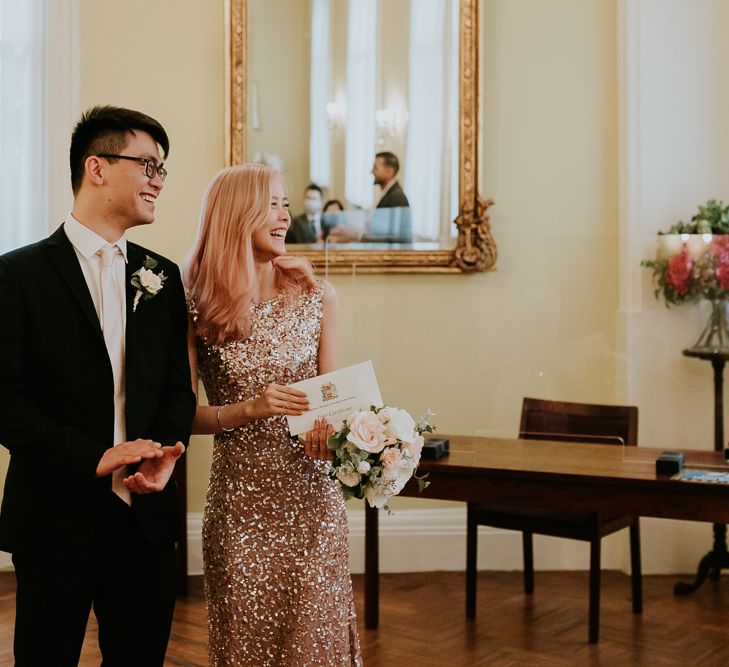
{"x": 384, "y": 171}
{"x": 390, "y": 221}
{"x": 95, "y": 405}
{"x": 306, "y": 228}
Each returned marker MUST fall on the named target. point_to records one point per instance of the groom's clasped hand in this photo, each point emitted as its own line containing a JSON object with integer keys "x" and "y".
{"x": 156, "y": 463}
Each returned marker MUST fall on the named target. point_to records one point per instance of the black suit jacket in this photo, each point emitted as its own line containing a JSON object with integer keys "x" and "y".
{"x": 300, "y": 230}
{"x": 56, "y": 396}
{"x": 394, "y": 198}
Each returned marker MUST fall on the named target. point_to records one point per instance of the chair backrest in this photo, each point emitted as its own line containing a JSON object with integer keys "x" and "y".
{"x": 578, "y": 422}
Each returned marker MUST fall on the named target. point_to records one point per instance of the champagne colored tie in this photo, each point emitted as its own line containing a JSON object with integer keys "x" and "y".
{"x": 112, "y": 324}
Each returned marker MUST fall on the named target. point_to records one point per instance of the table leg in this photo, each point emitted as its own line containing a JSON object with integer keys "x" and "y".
{"x": 718, "y": 365}
{"x": 711, "y": 564}
{"x": 372, "y": 568}
{"x": 718, "y": 558}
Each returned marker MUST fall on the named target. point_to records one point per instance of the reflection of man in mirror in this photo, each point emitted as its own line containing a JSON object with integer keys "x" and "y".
{"x": 306, "y": 228}
{"x": 390, "y": 221}
{"x": 385, "y": 171}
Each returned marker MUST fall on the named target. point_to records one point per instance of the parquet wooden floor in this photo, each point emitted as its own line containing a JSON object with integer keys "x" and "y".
{"x": 423, "y": 623}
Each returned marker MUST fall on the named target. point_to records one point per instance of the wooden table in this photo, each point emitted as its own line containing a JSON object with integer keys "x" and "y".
{"x": 556, "y": 475}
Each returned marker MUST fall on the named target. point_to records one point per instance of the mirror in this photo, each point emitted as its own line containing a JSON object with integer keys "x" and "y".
{"x": 463, "y": 244}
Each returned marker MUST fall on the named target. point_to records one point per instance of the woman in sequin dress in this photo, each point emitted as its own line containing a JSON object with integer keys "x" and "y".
{"x": 275, "y": 541}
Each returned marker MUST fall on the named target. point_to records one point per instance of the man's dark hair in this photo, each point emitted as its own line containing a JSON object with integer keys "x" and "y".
{"x": 106, "y": 129}
{"x": 390, "y": 160}
{"x": 313, "y": 186}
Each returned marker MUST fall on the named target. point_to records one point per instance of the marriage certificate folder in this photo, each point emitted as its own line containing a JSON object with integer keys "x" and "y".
{"x": 336, "y": 395}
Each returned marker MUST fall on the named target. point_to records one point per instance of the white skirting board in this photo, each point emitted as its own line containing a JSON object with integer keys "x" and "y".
{"x": 424, "y": 540}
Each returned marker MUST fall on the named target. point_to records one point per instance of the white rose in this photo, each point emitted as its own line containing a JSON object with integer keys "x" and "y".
{"x": 399, "y": 425}
{"x": 376, "y": 496}
{"x": 366, "y": 432}
{"x": 363, "y": 467}
{"x": 390, "y": 457}
{"x": 150, "y": 281}
{"x": 347, "y": 476}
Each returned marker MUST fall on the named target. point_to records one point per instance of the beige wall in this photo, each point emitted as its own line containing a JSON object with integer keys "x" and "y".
{"x": 468, "y": 346}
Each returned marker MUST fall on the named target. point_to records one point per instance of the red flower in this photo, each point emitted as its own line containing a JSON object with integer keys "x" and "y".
{"x": 720, "y": 248}
{"x": 678, "y": 272}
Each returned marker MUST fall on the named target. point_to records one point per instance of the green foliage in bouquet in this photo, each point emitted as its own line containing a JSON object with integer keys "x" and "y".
{"x": 713, "y": 218}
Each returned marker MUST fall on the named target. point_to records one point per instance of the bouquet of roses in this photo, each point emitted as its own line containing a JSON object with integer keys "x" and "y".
{"x": 376, "y": 452}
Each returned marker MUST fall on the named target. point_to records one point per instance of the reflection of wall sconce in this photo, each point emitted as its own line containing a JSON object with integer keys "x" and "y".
{"x": 255, "y": 114}
{"x": 335, "y": 116}
{"x": 270, "y": 160}
{"x": 385, "y": 124}
{"x": 390, "y": 123}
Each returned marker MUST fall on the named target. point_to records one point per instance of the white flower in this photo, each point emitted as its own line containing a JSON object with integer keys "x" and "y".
{"x": 363, "y": 467}
{"x": 151, "y": 282}
{"x": 347, "y": 476}
{"x": 412, "y": 450}
{"x": 366, "y": 432}
{"x": 394, "y": 478}
{"x": 399, "y": 425}
{"x": 147, "y": 282}
{"x": 376, "y": 495}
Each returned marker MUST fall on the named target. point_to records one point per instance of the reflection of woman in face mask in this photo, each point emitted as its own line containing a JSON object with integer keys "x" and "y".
{"x": 312, "y": 202}
{"x": 332, "y": 206}
{"x": 332, "y": 216}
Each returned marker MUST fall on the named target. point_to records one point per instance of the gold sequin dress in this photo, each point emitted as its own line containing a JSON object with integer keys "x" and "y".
{"x": 275, "y": 537}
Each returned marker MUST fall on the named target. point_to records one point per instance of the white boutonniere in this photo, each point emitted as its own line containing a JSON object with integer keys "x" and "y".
{"x": 147, "y": 282}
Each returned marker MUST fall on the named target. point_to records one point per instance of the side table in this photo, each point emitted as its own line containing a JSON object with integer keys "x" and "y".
{"x": 718, "y": 558}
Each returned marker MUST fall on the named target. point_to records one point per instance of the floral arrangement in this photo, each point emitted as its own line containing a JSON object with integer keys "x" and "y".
{"x": 693, "y": 258}
{"x": 147, "y": 282}
{"x": 376, "y": 452}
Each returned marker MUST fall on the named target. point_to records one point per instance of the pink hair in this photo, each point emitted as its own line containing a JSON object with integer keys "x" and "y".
{"x": 219, "y": 270}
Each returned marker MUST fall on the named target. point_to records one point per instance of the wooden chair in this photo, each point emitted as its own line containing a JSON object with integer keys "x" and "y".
{"x": 571, "y": 422}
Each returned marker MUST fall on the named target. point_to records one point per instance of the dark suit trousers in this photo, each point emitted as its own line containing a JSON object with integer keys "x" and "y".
{"x": 129, "y": 582}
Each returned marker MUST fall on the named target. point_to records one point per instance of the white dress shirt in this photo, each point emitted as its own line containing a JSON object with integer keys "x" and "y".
{"x": 87, "y": 245}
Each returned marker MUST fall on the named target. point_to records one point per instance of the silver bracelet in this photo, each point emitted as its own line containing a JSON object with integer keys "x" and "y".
{"x": 217, "y": 417}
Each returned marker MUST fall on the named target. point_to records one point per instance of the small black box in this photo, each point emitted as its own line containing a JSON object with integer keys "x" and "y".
{"x": 669, "y": 463}
{"x": 434, "y": 448}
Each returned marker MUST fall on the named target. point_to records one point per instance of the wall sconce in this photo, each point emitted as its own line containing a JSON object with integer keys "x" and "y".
{"x": 390, "y": 123}
{"x": 335, "y": 116}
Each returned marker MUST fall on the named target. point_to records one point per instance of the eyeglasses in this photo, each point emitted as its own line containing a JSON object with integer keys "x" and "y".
{"x": 151, "y": 168}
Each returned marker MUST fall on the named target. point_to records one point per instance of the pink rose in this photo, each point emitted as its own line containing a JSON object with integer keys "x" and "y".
{"x": 366, "y": 432}
{"x": 390, "y": 457}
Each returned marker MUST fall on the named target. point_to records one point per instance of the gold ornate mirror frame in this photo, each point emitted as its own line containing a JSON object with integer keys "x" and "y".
{"x": 474, "y": 250}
